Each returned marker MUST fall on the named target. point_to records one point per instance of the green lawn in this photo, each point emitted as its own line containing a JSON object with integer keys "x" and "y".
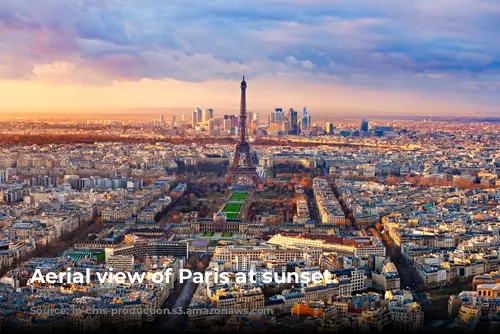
{"x": 226, "y": 234}
{"x": 208, "y": 234}
{"x": 232, "y": 207}
{"x": 101, "y": 257}
{"x": 238, "y": 196}
{"x": 231, "y": 214}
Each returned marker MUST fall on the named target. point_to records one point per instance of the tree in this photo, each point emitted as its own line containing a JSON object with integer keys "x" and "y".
{"x": 392, "y": 180}
{"x": 306, "y": 182}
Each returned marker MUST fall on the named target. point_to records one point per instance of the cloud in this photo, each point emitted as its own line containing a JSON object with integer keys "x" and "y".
{"x": 384, "y": 44}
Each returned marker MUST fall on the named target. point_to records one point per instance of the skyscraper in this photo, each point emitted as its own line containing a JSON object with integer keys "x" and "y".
{"x": 227, "y": 124}
{"x": 364, "y": 125}
{"x": 279, "y": 116}
{"x": 305, "y": 121}
{"x": 234, "y": 121}
{"x": 210, "y": 113}
{"x": 194, "y": 119}
{"x": 276, "y": 116}
{"x": 162, "y": 119}
{"x": 254, "y": 121}
{"x": 329, "y": 128}
{"x": 205, "y": 115}
{"x": 293, "y": 120}
{"x": 256, "y": 118}
{"x": 211, "y": 126}
{"x": 285, "y": 126}
{"x": 199, "y": 114}
{"x": 250, "y": 116}
{"x": 173, "y": 120}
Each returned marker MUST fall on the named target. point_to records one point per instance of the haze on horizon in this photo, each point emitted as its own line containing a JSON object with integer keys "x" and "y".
{"x": 418, "y": 57}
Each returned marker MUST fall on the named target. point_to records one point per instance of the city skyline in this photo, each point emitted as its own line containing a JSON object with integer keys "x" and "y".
{"x": 422, "y": 57}
{"x": 262, "y": 166}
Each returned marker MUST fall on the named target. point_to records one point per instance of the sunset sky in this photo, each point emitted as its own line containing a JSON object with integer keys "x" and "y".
{"x": 439, "y": 57}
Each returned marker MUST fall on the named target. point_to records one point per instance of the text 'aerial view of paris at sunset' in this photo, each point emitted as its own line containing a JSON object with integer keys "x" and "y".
{"x": 260, "y": 166}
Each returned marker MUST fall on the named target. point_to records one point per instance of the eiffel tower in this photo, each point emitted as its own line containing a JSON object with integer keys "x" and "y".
{"x": 248, "y": 171}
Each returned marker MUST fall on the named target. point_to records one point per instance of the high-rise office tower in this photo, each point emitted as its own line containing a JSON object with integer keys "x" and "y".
{"x": 256, "y": 118}
{"x": 306, "y": 114}
{"x": 285, "y": 126}
{"x": 329, "y": 128}
{"x": 210, "y": 113}
{"x": 182, "y": 118}
{"x": 305, "y": 121}
{"x": 204, "y": 115}
{"x": 276, "y": 116}
{"x": 227, "y": 124}
{"x": 162, "y": 119}
{"x": 234, "y": 121}
{"x": 272, "y": 117}
{"x": 279, "y": 117}
{"x": 293, "y": 119}
{"x": 199, "y": 115}
{"x": 194, "y": 120}
{"x": 211, "y": 126}
{"x": 364, "y": 125}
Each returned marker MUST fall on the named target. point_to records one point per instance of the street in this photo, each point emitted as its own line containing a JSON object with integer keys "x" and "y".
{"x": 181, "y": 297}
{"x": 313, "y": 209}
{"x": 409, "y": 281}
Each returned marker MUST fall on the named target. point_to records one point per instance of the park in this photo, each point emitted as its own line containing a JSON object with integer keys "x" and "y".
{"x": 238, "y": 196}
{"x": 232, "y": 209}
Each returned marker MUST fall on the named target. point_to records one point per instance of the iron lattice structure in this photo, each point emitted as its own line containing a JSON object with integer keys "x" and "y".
{"x": 242, "y": 149}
